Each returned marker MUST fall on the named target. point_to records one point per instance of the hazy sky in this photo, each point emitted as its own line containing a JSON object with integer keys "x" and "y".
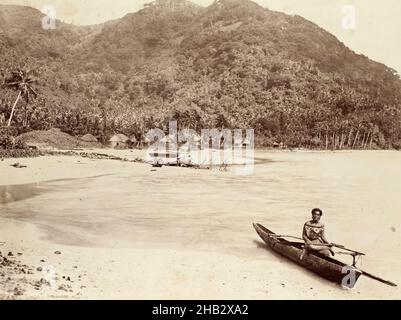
{"x": 376, "y": 31}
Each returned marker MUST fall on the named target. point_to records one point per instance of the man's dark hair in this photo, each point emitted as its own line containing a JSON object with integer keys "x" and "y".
{"x": 317, "y": 210}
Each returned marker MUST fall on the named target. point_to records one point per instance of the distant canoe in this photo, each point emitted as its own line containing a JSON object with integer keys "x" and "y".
{"x": 326, "y": 267}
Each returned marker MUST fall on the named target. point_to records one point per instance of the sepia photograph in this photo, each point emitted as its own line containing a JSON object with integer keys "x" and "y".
{"x": 200, "y": 150}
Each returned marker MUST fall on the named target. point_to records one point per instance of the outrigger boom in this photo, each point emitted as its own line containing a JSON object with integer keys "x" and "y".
{"x": 321, "y": 244}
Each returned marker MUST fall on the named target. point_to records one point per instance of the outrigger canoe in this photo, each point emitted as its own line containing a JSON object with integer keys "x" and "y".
{"x": 327, "y": 267}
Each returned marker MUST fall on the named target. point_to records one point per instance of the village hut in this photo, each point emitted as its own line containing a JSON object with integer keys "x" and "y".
{"x": 89, "y": 138}
{"x": 119, "y": 141}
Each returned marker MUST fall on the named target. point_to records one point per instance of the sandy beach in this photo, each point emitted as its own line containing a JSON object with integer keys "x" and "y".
{"x": 106, "y": 261}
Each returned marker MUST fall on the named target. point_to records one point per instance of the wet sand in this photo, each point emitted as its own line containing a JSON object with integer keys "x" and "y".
{"x": 189, "y": 248}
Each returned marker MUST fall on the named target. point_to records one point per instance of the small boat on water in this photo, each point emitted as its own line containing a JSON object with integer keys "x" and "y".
{"x": 324, "y": 266}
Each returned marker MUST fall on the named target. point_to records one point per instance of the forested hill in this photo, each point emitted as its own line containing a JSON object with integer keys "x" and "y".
{"x": 233, "y": 64}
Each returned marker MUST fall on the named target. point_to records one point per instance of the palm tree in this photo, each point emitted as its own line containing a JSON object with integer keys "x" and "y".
{"x": 21, "y": 81}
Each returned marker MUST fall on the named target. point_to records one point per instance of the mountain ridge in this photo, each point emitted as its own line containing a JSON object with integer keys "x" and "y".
{"x": 232, "y": 64}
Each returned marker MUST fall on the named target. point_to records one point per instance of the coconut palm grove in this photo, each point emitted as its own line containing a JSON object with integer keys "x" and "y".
{"x": 233, "y": 64}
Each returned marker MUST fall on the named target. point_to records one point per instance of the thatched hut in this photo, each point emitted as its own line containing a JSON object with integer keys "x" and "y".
{"x": 119, "y": 141}
{"x": 89, "y": 138}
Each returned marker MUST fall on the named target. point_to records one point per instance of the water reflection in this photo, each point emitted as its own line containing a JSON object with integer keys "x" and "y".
{"x": 18, "y": 192}
{"x": 213, "y": 210}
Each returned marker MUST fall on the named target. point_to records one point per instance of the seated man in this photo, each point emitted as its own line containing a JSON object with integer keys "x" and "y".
{"x": 314, "y": 235}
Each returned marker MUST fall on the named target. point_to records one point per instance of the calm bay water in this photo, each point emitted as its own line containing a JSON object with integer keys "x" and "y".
{"x": 207, "y": 210}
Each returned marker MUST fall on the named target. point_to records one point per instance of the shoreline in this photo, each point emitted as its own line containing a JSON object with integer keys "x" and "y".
{"x": 44, "y": 270}
{"x": 47, "y": 167}
{"x": 137, "y": 271}
{"x": 78, "y": 166}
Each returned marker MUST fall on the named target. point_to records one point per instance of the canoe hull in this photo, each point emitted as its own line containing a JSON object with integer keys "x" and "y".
{"x": 325, "y": 267}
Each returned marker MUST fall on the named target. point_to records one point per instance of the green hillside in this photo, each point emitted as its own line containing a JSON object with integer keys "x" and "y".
{"x": 233, "y": 64}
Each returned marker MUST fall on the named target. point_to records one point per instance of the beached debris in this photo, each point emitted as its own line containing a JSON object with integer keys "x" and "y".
{"x": 94, "y": 156}
{"x": 41, "y": 283}
{"x": 18, "y": 165}
{"x": 156, "y": 164}
{"x": 10, "y": 263}
{"x": 5, "y": 262}
{"x": 63, "y": 287}
{"x": 18, "y": 291}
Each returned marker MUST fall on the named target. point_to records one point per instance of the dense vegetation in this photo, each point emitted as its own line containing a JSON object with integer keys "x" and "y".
{"x": 231, "y": 65}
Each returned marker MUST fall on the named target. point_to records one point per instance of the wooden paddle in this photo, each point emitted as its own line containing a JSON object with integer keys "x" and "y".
{"x": 369, "y": 275}
{"x": 339, "y": 246}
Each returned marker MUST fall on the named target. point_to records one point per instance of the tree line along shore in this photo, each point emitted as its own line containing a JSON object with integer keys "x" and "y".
{"x": 233, "y": 65}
